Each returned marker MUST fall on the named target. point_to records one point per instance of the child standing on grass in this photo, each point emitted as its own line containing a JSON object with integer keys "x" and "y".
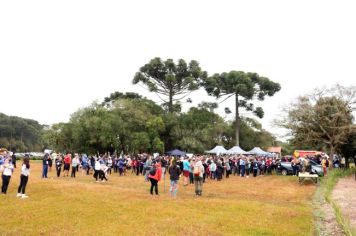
{"x": 7, "y": 168}
{"x": 25, "y": 172}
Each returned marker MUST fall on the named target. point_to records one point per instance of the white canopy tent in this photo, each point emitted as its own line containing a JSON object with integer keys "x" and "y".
{"x": 236, "y": 150}
{"x": 259, "y": 152}
{"x": 217, "y": 150}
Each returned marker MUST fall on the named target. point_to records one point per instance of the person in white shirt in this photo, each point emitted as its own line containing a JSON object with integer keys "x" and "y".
{"x": 7, "y": 168}
{"x": 75, "y": 163}
{"x": 25, "y": 172}
{"x": 97, "y": 168}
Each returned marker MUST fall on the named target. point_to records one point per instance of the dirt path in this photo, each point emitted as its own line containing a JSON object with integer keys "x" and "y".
{"x": 345, "y": 195}
{"x": 326, "y": 222}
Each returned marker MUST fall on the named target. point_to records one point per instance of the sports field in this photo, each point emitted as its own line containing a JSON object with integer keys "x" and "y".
{"x": 266, "y": 205}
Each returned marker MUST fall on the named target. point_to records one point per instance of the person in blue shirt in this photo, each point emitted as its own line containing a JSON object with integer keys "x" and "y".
{"x": 186, "y": 171}
{"x": 45, "y": 166}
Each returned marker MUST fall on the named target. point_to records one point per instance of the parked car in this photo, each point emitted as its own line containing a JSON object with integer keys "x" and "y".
{"x": 285, "y": 168}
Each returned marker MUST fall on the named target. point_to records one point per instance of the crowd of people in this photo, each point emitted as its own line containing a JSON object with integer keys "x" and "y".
{"x": 194, "y": 170}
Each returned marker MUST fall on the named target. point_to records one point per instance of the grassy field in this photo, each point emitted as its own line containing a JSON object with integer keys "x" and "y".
{"x": 267, "y": 205}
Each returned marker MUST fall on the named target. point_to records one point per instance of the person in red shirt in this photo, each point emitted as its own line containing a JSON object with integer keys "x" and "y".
{"x": 67, "y": 161}
{"x": 155, "y": 176}
{"x": 269, "y": 165}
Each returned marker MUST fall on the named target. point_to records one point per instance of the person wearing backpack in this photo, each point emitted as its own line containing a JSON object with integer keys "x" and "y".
{"x": 198, "y": 172}
{"x": 154, "y": 176}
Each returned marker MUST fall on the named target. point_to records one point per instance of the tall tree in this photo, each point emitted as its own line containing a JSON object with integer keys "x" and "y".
{"x": 348, "y": 149}
{"x": 245, "y": 87}
{"x": 173, "y": 81}
{"x": 323, "y": 118}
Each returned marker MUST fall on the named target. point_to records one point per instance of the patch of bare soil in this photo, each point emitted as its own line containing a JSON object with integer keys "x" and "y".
{"x": 331, "y": 227}
{"x": 344, "y": 194}
{"x": 326, "y": 223}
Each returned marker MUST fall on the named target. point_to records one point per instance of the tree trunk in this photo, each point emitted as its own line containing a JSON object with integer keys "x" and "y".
{"x": 237, "y": 121}
{"x": 355, "y": 165}
{"x": 331, "y": 157}
{"x": 170, "y": 102}
{"x": 347, "y": 162}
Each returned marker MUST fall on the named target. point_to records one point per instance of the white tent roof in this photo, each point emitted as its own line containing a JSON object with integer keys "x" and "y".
{"x": 258, "y": 151}
{"x": 217, "y": 150}
{"x": 236, "y": 150}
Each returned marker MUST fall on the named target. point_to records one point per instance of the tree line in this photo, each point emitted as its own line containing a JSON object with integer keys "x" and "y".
{"x": 20, "y": 134}
{"x": 129, "y": 123}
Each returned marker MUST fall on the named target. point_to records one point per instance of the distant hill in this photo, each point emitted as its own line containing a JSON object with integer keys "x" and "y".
{"x": 19, "y": 134}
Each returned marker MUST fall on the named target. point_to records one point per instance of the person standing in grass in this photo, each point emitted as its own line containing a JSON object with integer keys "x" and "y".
{"x": 186, "y": 170}
{"x": 174, "y": 172}
{"x": 67, "y": 161}
{"x": 97, "y": 168}
{"x": 75, "y": 163}
{"x": 255, "y": 167}
{"x": 7, "y": 168}
{"x": 198, "y": 172}
{"x": 242, "y": 167}
{"x": 154, "y": 176}
{"x": 25, "y": 172}
{"x": 191, "y": 176}
{"x": 13, "y": 159}
{"x": 50, "y": 162}
{"x": 85, "y": 164}
{"x": 45, "y": 166}
{"x": 58, "y": 164}
{"x": 212, "y": 168}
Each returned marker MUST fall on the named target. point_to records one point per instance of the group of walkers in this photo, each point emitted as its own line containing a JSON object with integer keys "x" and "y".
{"x": 7, "y": 168}
{"x": 194, "y": 170}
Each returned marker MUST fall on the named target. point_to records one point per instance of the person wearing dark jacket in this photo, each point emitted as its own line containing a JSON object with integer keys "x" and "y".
{"x": 13, "y": 160}
{"x": 59, "y": 164}
{"x": 45, "y": 166}
{"x": 174, "y": 172}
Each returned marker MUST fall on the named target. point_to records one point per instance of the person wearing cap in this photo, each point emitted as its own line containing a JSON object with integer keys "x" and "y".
{"x": 155, "y": 177}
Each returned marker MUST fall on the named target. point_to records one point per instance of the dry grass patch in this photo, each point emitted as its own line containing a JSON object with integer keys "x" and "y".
{"x": 269, "y": 205}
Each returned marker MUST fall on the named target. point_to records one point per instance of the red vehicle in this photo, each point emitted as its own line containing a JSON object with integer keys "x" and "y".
{"x": 303, "y": 153}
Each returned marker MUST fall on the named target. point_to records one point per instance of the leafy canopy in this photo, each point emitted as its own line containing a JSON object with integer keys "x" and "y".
{"x": 170, "y": 79}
